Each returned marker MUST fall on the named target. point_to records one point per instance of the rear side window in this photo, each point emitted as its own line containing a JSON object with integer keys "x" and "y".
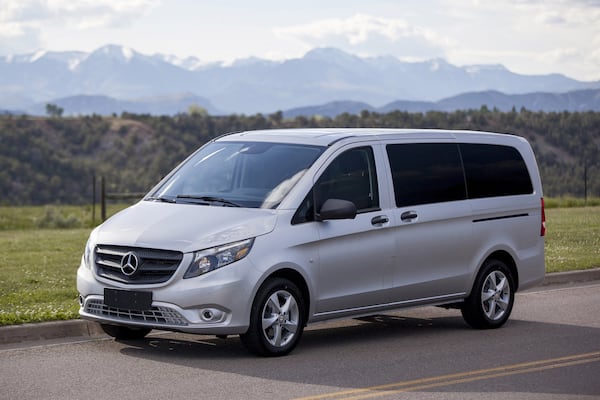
{"x": 426, "y": 173}
{"x": 494, "y": 170}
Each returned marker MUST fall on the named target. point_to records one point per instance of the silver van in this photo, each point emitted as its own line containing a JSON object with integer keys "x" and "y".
{"x": 259, "y": 233}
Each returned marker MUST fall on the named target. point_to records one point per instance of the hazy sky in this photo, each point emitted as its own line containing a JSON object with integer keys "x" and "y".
{"x": 526, "y": 36}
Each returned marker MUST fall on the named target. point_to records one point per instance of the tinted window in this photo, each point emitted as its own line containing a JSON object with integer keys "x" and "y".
{"x": 351, "y": 176}
{"x": 494, "y": 170}
{"x": 426, "y": 173}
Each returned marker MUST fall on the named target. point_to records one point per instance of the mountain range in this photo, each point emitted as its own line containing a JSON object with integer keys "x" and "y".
{"x": 325, "y": 81}
{"x": 575, "y": 101}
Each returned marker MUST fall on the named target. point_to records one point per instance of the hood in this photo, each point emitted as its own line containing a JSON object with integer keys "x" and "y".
{"x": 183, "y": 227}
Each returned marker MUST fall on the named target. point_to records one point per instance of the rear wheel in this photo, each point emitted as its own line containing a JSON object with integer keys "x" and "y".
{"x": 276, "y": 319}
{"x": 491, "y": 301}
{"x": 124, "y": 332}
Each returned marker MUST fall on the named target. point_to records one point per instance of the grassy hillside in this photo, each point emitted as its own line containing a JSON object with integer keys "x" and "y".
{"x": 53, "y": 160}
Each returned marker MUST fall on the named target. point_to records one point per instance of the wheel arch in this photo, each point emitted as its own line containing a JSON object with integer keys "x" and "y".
{"x": 508, "y": 259}
{"x": 296, "y": 278}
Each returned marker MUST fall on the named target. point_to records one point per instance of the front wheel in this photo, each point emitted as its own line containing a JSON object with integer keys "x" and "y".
{"x": 276, "y": 319}
{"x": 491, "y": 301}
{"x": 125, "y": 333}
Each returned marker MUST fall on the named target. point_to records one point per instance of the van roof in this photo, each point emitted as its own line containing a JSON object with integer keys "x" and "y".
{"x": 328, "y": 136}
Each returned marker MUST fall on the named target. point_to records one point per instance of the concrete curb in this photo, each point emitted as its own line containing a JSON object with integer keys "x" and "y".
{"x": 572, "y": 276}
{"x": 48, "y": 331}
{"x": 87, "y": 329}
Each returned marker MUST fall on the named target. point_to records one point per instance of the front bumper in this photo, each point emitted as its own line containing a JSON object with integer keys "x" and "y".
{"x": 217, "y": 303}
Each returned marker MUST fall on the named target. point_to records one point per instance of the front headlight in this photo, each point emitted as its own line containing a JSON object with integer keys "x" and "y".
{"x": 88, "y": 253}
{"x": 210, "y": 259}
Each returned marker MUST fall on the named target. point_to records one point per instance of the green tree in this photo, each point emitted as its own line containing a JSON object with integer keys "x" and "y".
{"x": 195, "y": 109}
{"x": 53, "y": 110}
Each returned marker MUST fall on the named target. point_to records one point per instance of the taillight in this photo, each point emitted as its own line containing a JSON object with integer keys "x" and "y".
{"x": 543, "y": 228}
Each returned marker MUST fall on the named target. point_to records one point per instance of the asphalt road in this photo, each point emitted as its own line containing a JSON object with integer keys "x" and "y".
{"x": 550, "y": 349}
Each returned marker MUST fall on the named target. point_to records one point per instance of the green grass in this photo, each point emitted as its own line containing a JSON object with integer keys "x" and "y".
{"x": 37, "y": 274}
{"x": 41, "y": 248}
{"x": 572, "y": 238}
{"x": 38, "y": 266}
{"x": 569, "y": 202}
{"x": 50, "y": 217}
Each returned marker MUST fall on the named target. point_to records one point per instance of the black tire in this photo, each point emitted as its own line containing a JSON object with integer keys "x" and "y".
{"x": 491, "y": 301}
{"x": 125, "y": 333}
{"x": 280, "y": 305}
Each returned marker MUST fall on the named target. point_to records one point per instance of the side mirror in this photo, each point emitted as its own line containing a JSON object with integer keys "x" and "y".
{"x": 336, "y": 209}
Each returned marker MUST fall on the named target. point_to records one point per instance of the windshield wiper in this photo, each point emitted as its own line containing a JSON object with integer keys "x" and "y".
{"x": 162, "y": 199}
{"x": 209, "y": 199}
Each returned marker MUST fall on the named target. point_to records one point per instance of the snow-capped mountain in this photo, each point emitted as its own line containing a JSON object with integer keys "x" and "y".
{"x": 254, "y": 85}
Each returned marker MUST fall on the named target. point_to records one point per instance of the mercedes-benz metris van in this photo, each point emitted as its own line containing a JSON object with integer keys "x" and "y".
{"x": 259, "y": 233}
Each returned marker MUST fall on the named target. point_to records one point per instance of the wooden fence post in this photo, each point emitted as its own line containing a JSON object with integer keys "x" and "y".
{"x": 93, "y": 199}
{"x": 103, "y": 200}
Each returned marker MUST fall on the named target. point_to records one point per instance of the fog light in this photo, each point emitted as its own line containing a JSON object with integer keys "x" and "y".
{"x": 211, "y": 315}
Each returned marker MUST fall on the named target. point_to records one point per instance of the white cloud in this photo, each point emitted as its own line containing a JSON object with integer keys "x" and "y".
{"x": 85, "y": 14}
{"x": 551, "y": 18}
{"x": 23, "y": 22}
{"x": 368, "y": 35}
{"x": 527, "y": 36}
{"x": 17, "y": 39}
{"x": 549, "y": 12}
{"x": 561, "y": 55}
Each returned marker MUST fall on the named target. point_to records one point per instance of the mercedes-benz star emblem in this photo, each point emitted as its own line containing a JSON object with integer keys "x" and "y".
{"x": 130, "y": 263}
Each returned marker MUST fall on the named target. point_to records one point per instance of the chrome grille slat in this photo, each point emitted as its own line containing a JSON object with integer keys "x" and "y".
{"x": 156, "y": 266}
{"x": 104, "y": 250}
{"x": 156, "y": 315}
{"x": 110, "y": 264}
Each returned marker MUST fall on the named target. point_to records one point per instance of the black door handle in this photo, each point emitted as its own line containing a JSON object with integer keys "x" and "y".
{"x": 380, "y": 220}
{"x": 408, "y": 216}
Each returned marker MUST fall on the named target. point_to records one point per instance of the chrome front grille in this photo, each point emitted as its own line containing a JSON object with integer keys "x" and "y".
{"x": 155, "y": 315}
{"x": 153, "y": 266}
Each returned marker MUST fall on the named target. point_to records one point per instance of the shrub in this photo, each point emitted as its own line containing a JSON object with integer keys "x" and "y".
{"x": 53, "y": 219}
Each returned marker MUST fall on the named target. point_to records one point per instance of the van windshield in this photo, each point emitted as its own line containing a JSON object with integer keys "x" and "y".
{"x": 244, "y": 174}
